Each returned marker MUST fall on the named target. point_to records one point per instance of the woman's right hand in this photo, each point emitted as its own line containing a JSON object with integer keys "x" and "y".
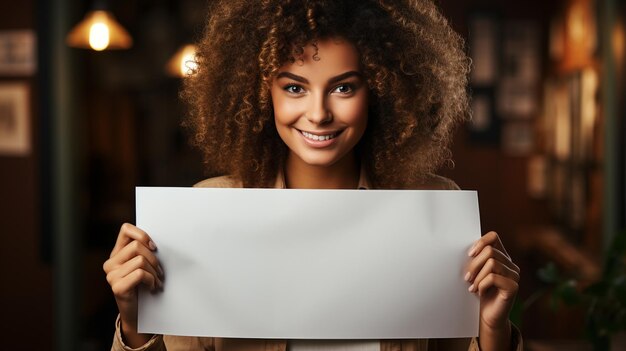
{"x": 132, "y": 263}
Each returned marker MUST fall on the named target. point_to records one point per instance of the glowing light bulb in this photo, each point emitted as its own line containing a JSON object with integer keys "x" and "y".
{"x": 99, "y": 36}
{"x": 577, "y": 23}
{"x": 188, "y": 62}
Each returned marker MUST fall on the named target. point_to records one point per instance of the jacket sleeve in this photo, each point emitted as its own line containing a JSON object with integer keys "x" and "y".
{"x": 516, "y": 341}
{"x": 164, "y": 342}
{"x": 154, "y": 344}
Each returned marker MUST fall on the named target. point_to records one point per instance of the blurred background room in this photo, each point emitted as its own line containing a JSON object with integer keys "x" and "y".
{"x": 82, "y": 122}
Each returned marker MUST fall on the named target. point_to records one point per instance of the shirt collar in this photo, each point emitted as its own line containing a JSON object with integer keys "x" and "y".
{"x": 364, "y": 183}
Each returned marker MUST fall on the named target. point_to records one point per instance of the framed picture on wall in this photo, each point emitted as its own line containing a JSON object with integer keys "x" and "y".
{"x": 519, "y": 77}
{"x": 14, "y": 119}
{"x": 484, "y": 48}
{"x": 17, "y": 53}
{"x": 518, "y": 138}
{"x": 484, "y": 127}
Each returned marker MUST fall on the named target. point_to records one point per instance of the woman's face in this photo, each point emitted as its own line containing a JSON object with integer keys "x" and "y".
{"x": 320, "y": 103}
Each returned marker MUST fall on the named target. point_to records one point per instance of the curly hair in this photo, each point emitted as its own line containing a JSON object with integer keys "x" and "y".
{"x": 413, "y": 62}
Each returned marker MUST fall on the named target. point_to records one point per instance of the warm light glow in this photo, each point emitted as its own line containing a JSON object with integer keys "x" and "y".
{"x": 580, "y": 35}
{"x": 562, "y": 136}
{"x": 99, "y": 31}
{"x": 619, "y": 41}
{"x": 588, "y": 107}
{"x": 188, "y": 62}
{"x": 183, "y": 63}
{"x": 99, "y": 36}
{"x": 576, "y": 23}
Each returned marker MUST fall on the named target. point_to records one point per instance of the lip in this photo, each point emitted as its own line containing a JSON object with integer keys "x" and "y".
{"x": 319, "y": 144}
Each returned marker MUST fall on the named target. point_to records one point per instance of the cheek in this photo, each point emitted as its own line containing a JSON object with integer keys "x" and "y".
{"x": 276, "y": 105}
{"x": 285, "y": 110}
{"x": 354, "y": 112}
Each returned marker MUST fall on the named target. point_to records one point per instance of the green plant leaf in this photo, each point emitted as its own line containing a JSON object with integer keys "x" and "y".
{"x": 548, "y": 273}
{"x": 568, "y": 292}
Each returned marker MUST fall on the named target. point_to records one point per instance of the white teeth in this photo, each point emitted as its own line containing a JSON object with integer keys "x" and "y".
{"x": 318, "y": 137}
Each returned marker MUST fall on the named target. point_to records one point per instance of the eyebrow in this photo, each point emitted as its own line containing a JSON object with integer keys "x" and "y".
{"x": 334, "y": 79}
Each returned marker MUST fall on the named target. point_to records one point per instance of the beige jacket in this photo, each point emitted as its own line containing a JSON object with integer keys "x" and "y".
{"x": 179, "y": 343}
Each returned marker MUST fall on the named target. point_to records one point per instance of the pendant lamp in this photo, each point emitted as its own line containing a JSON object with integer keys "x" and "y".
{"x": 99, "y": 31}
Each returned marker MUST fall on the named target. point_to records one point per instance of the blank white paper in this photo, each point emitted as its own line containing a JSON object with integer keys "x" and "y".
{"x": 310, "y": 264}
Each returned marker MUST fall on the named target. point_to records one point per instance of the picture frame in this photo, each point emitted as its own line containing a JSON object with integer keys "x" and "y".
{"x": 484, "y": 44}
{"x": 484, "y": 128}
{"x": 18, "y": 56}
{"x": 519, "y": 77}
{"x": 518, "y": 138}
{"x": 15, "y": 138}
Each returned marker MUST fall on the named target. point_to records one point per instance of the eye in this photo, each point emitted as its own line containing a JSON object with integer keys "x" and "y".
{"x": 294, "y": 89}
{"x": 344, "y": 89}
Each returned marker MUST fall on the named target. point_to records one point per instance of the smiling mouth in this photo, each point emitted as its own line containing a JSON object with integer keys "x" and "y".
{"x": 319, "y": 137}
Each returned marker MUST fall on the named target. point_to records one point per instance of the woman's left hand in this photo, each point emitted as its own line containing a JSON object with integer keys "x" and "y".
{"x": 494, "y": 277}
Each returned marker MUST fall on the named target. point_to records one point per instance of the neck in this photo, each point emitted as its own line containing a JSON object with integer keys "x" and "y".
{"x": 341, "y": 175}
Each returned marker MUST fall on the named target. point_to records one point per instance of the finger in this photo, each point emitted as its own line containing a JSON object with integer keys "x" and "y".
{"x": 477, "y": 263}
{"x": 128, "y": 233}
{"x": 127, "y": 284}
{"x": 489, "y": 239}
{"x": 138, "y": 262}
{"x": 134, "y": 248}
{"x": 153, "y": 277}
{"x": 507, "y": 288}
{"x": 495, "y": 267}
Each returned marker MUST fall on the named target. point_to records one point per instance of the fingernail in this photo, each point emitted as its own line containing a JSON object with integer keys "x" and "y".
{"x": 160, "y": 271}
{"x": 471, "y": 288}
{"x": 472, "y": 251}
{"x": 152, "y": 245}
{"x": 467, "y": 276}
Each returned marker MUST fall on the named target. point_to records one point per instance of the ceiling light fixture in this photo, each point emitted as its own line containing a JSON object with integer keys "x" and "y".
{"x": 99, "y": 31}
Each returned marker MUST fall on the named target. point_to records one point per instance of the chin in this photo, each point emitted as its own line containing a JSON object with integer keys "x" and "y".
{"x": 319, "y": 160}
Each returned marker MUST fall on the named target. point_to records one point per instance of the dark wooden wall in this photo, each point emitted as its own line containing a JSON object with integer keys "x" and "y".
{"x": 26, "y": 279}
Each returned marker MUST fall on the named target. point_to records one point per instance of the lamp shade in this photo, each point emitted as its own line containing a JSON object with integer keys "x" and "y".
{"x": 99, "y": 31}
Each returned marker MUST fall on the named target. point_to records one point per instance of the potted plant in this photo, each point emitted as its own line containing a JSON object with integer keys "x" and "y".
{"x": 605, "y": 300}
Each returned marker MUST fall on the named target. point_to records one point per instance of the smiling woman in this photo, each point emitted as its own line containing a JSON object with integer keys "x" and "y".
{"x": 324, "y": 94}
{"x": 320, "y": 109}
{"x": 409, "y": 61}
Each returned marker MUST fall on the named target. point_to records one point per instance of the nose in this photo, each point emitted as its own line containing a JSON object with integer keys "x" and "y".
{"x": 318, "y": 112}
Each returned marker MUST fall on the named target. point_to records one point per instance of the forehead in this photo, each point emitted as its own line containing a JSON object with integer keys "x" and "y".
{"x": 326, "y": 56}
